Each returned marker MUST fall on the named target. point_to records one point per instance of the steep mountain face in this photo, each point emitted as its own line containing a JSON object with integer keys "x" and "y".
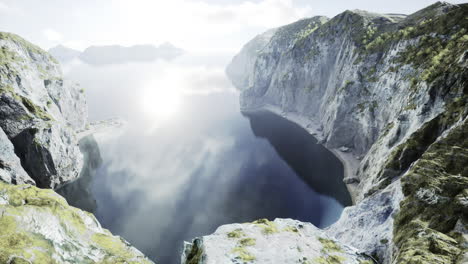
{"x": 40, "y": 116}
{"x": 39, "y": 112}
{"x": 388, "y": 95}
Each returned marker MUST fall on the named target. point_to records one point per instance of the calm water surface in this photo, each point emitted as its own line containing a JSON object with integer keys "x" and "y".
{"x": 160, "y": 183}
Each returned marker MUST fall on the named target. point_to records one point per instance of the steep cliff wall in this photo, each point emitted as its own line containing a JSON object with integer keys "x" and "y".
{"x": 40, "y": 114}
{"x": 381, "y": 92}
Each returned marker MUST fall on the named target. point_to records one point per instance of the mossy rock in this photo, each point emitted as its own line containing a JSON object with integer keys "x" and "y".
{"x": 430, "y": 209}
{"x": 38, "y": 225}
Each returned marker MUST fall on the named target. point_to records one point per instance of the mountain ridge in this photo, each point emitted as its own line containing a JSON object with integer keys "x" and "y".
{"x": 117, "y": 54}
{"x": 387, "y": 92}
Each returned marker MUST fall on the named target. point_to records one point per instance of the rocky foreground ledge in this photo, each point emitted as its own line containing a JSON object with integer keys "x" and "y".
{"x": 38, "y": 226}
{"x": 280, "y": 241}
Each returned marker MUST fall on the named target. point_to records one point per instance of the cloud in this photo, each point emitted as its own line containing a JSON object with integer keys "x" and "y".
{"x": 9, "y": 10}
{"x": 204, "y": 26}
{"x": 52, "y": 35}
{"x": 3, "y": 7}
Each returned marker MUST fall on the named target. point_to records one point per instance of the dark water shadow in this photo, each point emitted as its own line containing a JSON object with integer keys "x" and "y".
{"x": 315, "y": 164}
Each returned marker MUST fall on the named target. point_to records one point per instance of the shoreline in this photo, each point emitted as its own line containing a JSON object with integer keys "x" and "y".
{"x": 349, "y": 161}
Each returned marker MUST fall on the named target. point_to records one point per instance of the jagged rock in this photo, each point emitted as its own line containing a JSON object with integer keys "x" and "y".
{"x": 368, "y": 225}
{"x": 38, "y": 226}
{"x": 344, "y": 149}
{"x": 39, "y": 112}
{"x": 279, "y": 241}
{"x": 351, "y": 180}
{"x": 10, "y": 165}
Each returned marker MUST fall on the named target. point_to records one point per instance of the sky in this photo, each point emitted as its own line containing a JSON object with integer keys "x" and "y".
{"x": 194, "y": 25}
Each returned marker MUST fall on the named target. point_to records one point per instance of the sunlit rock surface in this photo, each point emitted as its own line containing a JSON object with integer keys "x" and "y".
{"x": 38, "y": 226}
{"x": 39, "y": 112}
{"x": 263, "y": 241}
{"x": 387, "y": 89}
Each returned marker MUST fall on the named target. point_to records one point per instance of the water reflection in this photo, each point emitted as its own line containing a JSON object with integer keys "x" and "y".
{"x": 316, "y": 165}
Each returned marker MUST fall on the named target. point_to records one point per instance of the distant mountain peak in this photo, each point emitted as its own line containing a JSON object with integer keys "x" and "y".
{"x": 116, "y": 54}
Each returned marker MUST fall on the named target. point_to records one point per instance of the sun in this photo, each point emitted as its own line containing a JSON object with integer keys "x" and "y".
{"x": 161, "y": 102}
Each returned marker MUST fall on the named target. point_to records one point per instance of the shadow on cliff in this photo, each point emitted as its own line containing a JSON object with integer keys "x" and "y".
{"x": 77, "y": 193}
{"x": 316, "y": 165}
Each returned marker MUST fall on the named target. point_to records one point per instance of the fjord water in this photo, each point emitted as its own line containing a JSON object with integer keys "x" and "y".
{"x": 167, "y": 179}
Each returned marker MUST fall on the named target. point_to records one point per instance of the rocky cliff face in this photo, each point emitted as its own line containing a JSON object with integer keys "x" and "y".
{"x": 40, "y": 115}
{"x": 388, "y": 95}
{"x": 39, "y": 112}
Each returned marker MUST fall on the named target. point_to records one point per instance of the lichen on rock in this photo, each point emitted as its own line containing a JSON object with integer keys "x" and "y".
{"x": 38, "y": 226}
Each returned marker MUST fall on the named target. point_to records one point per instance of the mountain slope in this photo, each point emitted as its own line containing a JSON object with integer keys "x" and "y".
{"x": 381, "y": 92}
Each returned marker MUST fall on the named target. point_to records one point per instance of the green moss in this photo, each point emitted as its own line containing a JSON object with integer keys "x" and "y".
{"x": 267, "y": 226}
{"x": 35, "y": 109}
{"x": 26, "y": 199}
{"x": 422, "y": 228}
{"x": 332, "y": 259}
{"x": 247, "y": 241}
{"x": 30, "y": 48}
{"x": 14, "y": 242}
{"x": 195, "y": 255}
{"x": 410, "y": 106}
{"x": 347, "y": 84}
{"x": 292, "y": 229}
{"x": 441, "y": 42}
{"x": 237, "y": 233}
{"x": 113, "y": 245}
{"x": 411, "y": 150}
{"x": 329, "y": 246}
{"x": 7, "y": 57}
{"x": 243, "y": 254}
{"x": 361, "y": 107}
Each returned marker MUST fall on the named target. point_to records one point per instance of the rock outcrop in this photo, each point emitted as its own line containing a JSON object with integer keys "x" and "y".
{"x": 388, "y": 95}
{"x": 39, "y": 112}
{"x": 263, "y": 241}
{"x": 40, "y": 116}
{"x": 38, "y": 226}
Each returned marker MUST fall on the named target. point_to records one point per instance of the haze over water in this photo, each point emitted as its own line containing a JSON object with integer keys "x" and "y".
{"x": 192, "y": 162}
